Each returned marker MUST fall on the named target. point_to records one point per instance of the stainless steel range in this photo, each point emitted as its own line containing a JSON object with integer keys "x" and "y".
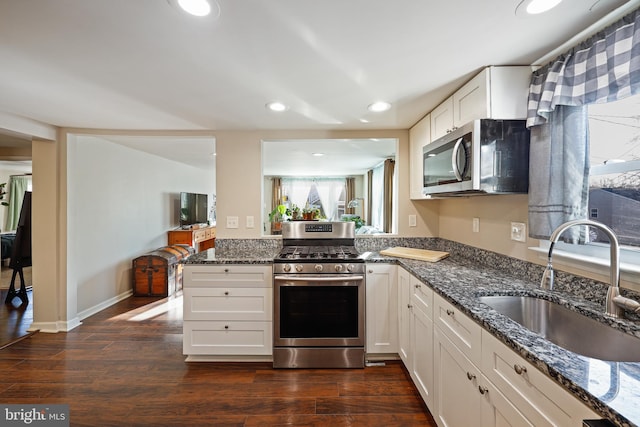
{"x": 319, "y": 297}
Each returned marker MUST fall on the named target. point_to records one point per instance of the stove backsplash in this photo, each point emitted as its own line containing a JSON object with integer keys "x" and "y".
{"x": 565, "y": 282}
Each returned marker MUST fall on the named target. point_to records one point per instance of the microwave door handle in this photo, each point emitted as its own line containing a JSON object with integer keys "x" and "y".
{"x": 454, "y": 159}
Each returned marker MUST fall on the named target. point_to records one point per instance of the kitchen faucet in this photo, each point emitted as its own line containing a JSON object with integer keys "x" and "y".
{"x": 615, "y": 303}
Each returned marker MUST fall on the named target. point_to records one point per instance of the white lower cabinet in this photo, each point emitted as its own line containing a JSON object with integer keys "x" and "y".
{"x": 478, "y": 380}
{"x": 381, "y": 309}
{"x": 463, "y": 395}
{"x": 541, "y": 400}
{"x": 416, "y": 332}
{"x": 227, "y": 311}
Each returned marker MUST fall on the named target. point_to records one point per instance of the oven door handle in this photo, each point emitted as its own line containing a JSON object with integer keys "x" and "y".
{"x": 348, "y": 277}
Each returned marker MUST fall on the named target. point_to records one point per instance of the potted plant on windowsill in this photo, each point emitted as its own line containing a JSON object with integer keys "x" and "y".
{"x": 276, "y": 216}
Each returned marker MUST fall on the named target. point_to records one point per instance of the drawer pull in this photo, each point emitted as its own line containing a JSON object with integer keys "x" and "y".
{"x": 450, "y": 312}
{"x": 226, "y": 292}
{"x": 226, "y": 326}
{"x": 519, "y": 369}
{"x": 226, "y": 270}
{"x": 483, "y": 390}
{"x": 409, "y": 306}
{"x": 370, "y": 271}
{"x": 471, "y": 376}
{"x": 417, "y": 286}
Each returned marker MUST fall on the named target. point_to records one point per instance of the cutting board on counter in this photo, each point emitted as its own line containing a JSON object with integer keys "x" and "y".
{"x": 419, "y": 254}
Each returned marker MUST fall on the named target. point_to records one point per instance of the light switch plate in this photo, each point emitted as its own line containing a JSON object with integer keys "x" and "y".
{"x": 519, "y": 231}
{"x": 476, "y": 225}
{"x": 412, "y": 221}
{"x": 232, "y": 222}
{"x": 250, "y": 222}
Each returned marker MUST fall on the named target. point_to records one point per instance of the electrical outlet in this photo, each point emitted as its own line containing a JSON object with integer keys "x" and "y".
{"x": 232, "y": 222}
{"x": 476, "y": 225}
{"x": 519, "y": 231}
{"x": 412, "y": 221}
{"x": 250, "y": 222}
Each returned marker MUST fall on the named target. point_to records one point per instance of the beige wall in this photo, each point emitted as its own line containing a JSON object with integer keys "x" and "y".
{"x": 495, "y": 213}
{"x": 240, "y": 184}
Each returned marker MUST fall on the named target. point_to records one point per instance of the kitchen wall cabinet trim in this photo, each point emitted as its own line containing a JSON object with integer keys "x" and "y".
{"x": 381, "y": 310}
{"x": 494, "y": 93}
{"x": 419, "y": 136}
{"x": 442, "y": 119}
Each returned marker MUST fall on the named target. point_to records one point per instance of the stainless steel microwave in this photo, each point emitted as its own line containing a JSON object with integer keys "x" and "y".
{"x": 483, "y": 157}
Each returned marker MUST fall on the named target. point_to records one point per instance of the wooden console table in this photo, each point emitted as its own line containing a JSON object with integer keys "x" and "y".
{"x": 200, "y": 239}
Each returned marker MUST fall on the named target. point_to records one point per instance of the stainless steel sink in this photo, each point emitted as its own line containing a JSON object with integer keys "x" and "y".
{"x": 568, "y": 329}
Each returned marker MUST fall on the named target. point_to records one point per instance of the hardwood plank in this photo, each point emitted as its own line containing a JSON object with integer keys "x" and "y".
{"x": 124, "y": 366}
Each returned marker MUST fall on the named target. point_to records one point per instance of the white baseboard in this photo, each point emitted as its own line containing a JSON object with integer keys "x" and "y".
{"x": 104, "y": 304}
{"x": 55, "y": 327}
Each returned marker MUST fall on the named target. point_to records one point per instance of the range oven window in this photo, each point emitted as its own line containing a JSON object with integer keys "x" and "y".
{"x": 318, "y": 311}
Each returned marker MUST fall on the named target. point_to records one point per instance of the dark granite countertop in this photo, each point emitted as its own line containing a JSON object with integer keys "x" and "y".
{"x": 231, "y": 256}
{"x": 461, "y": 281}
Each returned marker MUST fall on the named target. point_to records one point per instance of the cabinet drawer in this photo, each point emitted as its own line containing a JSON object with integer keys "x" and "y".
{"x": 227, "y": 338}
{"x": 229, "y": 303}
{"x": 536, "y": 396}
{"x": 230, "y": 275}
{"x": 199, "y": 235}
{"x": 421, "y": 296}
{"x": 459, "y": 328}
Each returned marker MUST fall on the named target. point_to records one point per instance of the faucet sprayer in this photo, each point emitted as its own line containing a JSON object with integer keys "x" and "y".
{"x": 614, "y": 303}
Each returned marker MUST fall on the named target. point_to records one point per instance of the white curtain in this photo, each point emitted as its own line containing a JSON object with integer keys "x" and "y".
{"x": 297, "y": 189}
{"x": 377, "y": 197}
{"x": 329, "y": 190}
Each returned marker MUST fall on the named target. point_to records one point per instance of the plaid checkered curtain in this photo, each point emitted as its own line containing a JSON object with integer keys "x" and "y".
{"x": 604, "y": 68}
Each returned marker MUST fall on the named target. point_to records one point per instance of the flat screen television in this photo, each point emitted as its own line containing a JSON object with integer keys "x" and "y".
{"x": 193, "y": 208}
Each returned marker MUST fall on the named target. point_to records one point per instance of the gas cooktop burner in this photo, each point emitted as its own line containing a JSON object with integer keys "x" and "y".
{"x": 318, "y": 253}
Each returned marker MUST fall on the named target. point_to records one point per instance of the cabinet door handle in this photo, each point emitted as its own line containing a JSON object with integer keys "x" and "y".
{"x": 370, "y": 271}
{"x": 450, "y": 312}
{"x": 482, "y": 389}
{"x": 409, "y": 306}
{"x": 417, "y": 286}
{"x": 519, "y": 369}
{"x": 471, "y": 376}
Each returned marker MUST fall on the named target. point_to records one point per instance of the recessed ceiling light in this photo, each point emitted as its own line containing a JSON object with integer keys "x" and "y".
{"x": 277, "y": 106}
{"x": 196, "y": 7}
{"x": 534, "y": 7}
{"x": 378, "y": 107}
{"x": 317, "y": 154}
{"x": 364, "y": 121}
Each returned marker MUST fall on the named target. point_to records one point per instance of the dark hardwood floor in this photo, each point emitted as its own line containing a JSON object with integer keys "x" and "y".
{"x": 124, "y": 367}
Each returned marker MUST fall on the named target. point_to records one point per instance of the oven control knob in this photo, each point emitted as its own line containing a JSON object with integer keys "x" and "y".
{"x": 298, "y": 268}
{"x": 287, "y": 268}
{"x": 318, "y": 268}
{"x": 350, "y": 267}
{"x": 338, "y": 267}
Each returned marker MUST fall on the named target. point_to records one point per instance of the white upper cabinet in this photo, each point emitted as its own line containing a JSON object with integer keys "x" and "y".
{"x": 419, "y": 136}
{"x": 494, "y": 93}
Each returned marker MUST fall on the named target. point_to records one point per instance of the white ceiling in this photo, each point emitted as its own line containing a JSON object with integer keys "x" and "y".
{"x": 145, "y": 65}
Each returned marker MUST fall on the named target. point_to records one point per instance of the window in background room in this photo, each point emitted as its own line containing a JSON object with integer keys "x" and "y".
{"x": 614, "y": 179}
